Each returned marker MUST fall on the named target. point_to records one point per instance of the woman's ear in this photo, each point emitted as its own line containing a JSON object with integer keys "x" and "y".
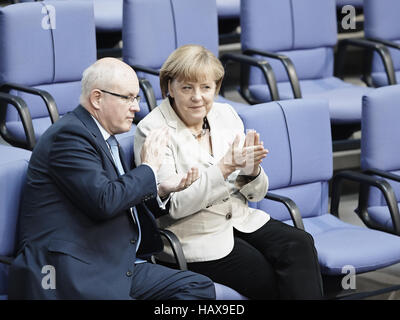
{"x": 170, "y": 93}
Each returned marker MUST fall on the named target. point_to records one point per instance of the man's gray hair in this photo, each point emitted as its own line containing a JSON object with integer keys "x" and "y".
{"x": 98, "y": 75}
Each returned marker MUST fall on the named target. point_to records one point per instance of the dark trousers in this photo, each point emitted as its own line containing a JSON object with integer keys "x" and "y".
{"x": 156, "y": 282}
{"x": 275, "y": 262}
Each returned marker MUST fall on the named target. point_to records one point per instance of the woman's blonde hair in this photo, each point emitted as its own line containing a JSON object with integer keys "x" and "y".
{"x": 191, "y": 62}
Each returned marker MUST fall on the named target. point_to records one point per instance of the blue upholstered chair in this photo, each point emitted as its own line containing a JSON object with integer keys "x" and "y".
{"x": 355, "y": 3}
{"x": 228, "y": 20}
{"x": 228, "y": 9}
{"x": 152, "y": 29}
{"x": 13, "y": 166}
{"x": 381, "y": 24}
{"x": 298, "y": 38}
{"x": 41, "y": 63}
{"x": 299, "y": 166}
{"x": 107, "y": 14}
{"x": 380, "y": 157}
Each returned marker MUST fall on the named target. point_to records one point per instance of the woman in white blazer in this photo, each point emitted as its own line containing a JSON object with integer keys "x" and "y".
{"x": 221, "y": 236}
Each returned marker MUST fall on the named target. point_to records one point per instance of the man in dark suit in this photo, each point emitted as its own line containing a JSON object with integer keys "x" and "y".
{"x": 85, "y": 231}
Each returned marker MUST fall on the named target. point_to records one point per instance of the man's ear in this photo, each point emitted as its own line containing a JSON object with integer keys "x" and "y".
{"x": 95, "y": 98}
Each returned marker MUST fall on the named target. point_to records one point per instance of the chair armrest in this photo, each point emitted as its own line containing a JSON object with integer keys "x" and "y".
{"x": 370, "y": 46}
{"x": 387, "y": 43}
{"x": 25, "y": 116}
{"x": 365, "y": 181}
{"x": 382, "y": 174}
{"x": 6, "y": 260}
{"x": 246, "y": 61}
{"x": 176, "y": 247}
{"x": 146, "y": 86}
{"x": 148, "y": 92}
{"x": 47, "y": 97}
{"x": 287, "y": 64}
{"x": 291, "y": 206}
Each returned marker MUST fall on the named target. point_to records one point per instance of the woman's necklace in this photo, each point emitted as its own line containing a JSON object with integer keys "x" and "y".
{"x": 203, "y": 131}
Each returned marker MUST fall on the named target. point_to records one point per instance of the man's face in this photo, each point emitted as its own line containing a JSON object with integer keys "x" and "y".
{"x": 117, "y": 113}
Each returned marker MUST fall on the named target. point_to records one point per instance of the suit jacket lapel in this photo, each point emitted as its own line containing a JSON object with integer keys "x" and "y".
{"x": 88, "y": 121}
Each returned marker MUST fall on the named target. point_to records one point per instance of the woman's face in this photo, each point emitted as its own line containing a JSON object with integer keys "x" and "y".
{"x": 192, "y": 100}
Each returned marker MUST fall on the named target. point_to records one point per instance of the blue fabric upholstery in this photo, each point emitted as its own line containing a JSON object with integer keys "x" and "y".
{"x": 225, "y": 293}
{"x": 305, "y": 32}
{"x": 107, "y": 14}
{"x": 13, "y": 167}
{"x": 299, "y": 166}
{"x": 354, "y": 3}
{"x": 379, "y": 146}
{"x": 381, "y": 20}
{"x": 48, "y": 59}
{"x": 126, "y": 142}
{"x": 228, "y": 9}
{"x": 153, "y": 29}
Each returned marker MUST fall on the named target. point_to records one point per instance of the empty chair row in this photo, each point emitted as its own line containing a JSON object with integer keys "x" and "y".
{"x": 299, "y": 166}
{"x": 279, "y": 63}
{"x": 108, "y": 13}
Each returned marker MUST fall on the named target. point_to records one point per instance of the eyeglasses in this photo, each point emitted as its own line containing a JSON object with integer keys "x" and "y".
{"x": 126, "y": 98}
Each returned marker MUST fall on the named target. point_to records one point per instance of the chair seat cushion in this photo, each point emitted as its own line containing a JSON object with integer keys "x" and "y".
{"x": 344, "y": 98}
{"x": 11, "y": 154}
{"x": 13, "y": 166}
{"x": 225, "y": 293}
{"x": 339, "y": 244}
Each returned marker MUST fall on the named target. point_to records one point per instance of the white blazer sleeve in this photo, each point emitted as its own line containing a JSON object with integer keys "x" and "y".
{"x": 256, "y": 189}
{"x": 204, "y": 192}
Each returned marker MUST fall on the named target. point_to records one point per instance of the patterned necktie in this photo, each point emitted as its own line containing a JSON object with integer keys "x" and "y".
{"x": 113, "y": 143}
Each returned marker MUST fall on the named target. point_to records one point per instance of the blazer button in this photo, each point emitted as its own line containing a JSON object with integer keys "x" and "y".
{"x": 129, "y": 273}
{"x": 228, "y": 216}
{"x": 133, "y": 241}
{"x": 251, "y": 197}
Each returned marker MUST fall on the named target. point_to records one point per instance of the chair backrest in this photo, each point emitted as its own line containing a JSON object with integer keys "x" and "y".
{"x": 47, "y": 56}
{"x": 126, "y": 142}
{"x": 228, "y": 9}
{"x": 355, "y": 3}
{"x": 381, "y": 20}
{"x": 299, "y": 164}
{"x": 152, "y": 29}
{"x": 303, "y": 30}
{"x": 107, "y": 14}
{"x": 380, "y": 132}
{"x": 13, "y": 167}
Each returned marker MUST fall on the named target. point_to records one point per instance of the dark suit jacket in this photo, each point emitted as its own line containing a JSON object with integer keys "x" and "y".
{"x": 75, "y": 217}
